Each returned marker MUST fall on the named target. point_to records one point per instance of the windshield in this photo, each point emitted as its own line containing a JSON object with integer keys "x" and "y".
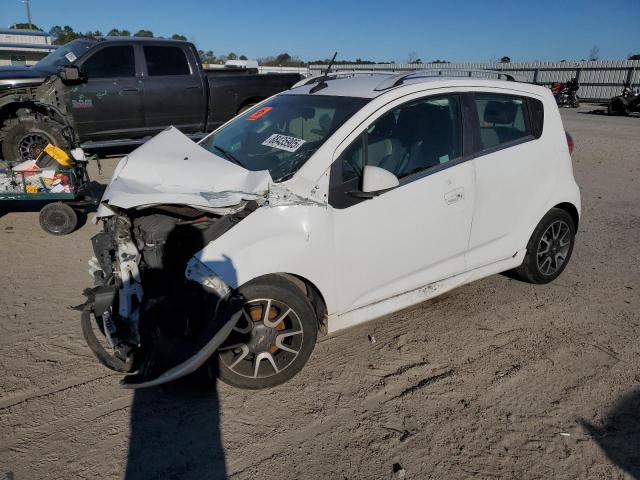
{"x": 64, "y": 55}
{"x": 283, "y": 133}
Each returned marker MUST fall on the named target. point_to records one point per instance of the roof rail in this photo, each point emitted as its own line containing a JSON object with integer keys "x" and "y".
{"x": 333, "y": 75}
{"x": 399, "y": 79}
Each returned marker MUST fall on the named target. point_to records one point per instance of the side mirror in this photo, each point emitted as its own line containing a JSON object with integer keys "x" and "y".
{"x": 376, "y": 179}
{"x": 71, "y": 74}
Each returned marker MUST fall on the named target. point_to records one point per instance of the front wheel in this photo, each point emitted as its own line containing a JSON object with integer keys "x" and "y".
{"x": 549, "y": 248}
{"x": 25, "y": 140}
{"x": 274, "y": 337}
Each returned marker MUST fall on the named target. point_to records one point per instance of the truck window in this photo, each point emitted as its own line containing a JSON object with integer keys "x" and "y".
{"x": 110, "y": 62}
{"x": 166, "y": 61}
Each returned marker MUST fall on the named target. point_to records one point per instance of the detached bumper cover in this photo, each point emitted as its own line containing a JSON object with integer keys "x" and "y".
{"x": 188, "y": 366}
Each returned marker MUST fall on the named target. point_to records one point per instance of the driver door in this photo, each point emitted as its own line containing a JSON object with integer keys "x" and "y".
{"x": 418, "y": 232}
{"x": 109, "y": 104}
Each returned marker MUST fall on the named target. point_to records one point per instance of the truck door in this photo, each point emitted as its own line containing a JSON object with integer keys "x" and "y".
{"x": 109, "y": 104}
{"x": 174, "y": 91}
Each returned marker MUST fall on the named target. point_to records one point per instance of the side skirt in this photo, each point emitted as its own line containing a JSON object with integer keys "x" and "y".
{"x": 393, "y": 304}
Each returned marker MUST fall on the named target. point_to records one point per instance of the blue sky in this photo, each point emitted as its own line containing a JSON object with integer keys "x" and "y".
{"x": 379, "y": 30}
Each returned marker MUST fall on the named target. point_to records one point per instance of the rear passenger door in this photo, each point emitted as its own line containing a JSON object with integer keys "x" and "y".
{"x": 174, "y": 91}
{"x": 510, "y": 178}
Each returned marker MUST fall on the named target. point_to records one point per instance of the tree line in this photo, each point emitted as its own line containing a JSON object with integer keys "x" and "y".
{"x": 64, "y": 34}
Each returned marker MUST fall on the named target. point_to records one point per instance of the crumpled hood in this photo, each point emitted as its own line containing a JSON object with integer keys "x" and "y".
{"x": 172, "y": 169}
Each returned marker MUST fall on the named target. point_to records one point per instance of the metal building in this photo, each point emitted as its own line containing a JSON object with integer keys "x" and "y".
{"x": 23, "y": 47}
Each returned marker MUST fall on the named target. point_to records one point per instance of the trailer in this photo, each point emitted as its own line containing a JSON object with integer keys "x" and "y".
{"x": 64, "y": 192}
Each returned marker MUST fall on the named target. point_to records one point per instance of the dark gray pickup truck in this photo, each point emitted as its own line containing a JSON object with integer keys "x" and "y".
{"x": 106, "y": 92}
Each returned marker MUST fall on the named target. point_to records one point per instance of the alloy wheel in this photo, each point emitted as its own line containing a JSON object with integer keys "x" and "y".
{"x": 554, "y": 247}
{"x": 31, "y": 145}
{"x": 265, "y": 341}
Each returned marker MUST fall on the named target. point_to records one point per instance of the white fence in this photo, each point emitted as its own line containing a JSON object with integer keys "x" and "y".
{"x": 302, "y": 70}
{"x": 599, "y": 80}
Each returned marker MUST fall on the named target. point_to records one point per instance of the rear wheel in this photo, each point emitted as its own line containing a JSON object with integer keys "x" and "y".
{"x": 549, "y": 248}
{"x": 244, "y": 108}
{"x": 274, "y": 337}
{"x": 58, "y": 218}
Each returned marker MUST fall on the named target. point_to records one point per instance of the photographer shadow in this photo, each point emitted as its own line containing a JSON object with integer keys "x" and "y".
{"x": 175, "y": 428}
{"x": 619, "y": 436}
{"x": 175, "y": 431}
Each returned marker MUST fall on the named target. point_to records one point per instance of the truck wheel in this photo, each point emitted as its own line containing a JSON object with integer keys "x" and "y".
{"x": 244, "y": 108}
{"x": 273, "y": 339}
{"x": 58, "y": 218}
{"x": 24, "y": 140}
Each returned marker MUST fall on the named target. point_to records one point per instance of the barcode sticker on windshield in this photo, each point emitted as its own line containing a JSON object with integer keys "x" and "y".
{"x": 282, "y": 142}
{"x": 70, "y": 56}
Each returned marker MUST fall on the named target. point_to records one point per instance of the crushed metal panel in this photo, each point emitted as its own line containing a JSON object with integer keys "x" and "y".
{"x": 172, "y": 169}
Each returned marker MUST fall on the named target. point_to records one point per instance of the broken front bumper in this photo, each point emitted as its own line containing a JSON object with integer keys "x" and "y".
{"x": 145, "y": 336}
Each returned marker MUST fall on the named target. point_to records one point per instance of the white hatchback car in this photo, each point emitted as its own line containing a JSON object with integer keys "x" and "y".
{"x": 330, "y": 204}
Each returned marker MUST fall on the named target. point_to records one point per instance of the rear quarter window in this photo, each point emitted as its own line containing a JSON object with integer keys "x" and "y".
{"x": 536, "y": 112}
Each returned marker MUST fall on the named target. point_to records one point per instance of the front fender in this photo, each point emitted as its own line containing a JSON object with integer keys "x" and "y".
{"x": 295, "y": 239}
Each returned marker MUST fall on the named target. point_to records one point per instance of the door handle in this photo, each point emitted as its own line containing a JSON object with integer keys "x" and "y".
{"x": 454, "y": 196}
{"x": 129, "y": 89}
{"x": 190, "y": 87}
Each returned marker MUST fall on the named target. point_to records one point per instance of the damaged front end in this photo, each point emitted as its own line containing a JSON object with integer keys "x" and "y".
{"x": 155, "y": 312}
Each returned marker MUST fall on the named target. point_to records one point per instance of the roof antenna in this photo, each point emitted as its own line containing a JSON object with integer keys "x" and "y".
{"x": 322, "y": 83}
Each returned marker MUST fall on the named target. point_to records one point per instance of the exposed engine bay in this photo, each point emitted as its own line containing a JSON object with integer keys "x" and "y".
{"x": 151, "y": 316}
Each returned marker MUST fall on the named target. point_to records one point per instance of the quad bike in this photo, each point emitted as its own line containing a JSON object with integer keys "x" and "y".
{"x": 624, "y": 104}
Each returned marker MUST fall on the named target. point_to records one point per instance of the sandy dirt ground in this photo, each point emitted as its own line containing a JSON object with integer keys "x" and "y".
{"x": 497, "y": 379}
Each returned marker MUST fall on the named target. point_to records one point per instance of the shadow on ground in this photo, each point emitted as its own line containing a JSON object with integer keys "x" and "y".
{"x": 603, "y": 112}
{"x": 619, "y": 436}
{"x": 175, "y": 432}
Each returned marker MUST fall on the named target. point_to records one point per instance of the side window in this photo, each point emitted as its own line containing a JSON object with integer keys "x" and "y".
{"x": 537, "y": 116}
{"x": 163, "y": 60}
{"x": 110, "y": 62}
{"x": 416, "y": 136}
{"x": 502, "y": 119}
{"x": 409, "y": 139}
{"x": 352, "y": 161}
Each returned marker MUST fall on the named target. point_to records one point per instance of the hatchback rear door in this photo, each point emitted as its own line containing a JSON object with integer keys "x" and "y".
{"x": 512, "y": 181}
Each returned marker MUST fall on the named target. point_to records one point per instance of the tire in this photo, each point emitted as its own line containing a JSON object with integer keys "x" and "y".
{"x": 258, "y": 355}
{"x": 244, "y": 108}
{"x": 617, "y": 106}
{"x": 25, "y": 139}
{"x": 58, "y": 218}
{"x": 540, "y": 266}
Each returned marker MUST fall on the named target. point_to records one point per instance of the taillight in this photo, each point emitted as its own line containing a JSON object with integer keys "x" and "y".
{"x": 569, "y": 142}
